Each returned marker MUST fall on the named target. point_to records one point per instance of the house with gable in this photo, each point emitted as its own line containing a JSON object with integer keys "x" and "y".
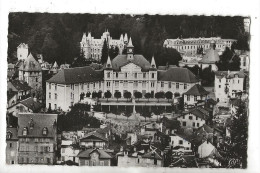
{"x": 94, "y": 157}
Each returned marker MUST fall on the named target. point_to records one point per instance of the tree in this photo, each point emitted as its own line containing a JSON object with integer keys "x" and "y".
{"x": 117, "y": 95}
{"x": 147, "y": 96}
{"x": 99, "y": 94}
{"x": 104, "y": 55}
{"x": 138, "y": 95}
{"x": 127, "y": 95}
{"x": 146, "y": 112}
{"x": 159, "y": 95}
{"x": 168, "y": 95}
{"x": 239, "y": 133}
{"x": 107, "y": 95}
{"x": 88, "y": 94}
{"x": 82, "y": 96}
{"x": 94, "y": 94}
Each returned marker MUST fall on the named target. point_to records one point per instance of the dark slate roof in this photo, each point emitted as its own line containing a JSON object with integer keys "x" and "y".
{"x": 177, "y": 74}
{"x": 235, "y": 101}
{"x": 205, "y": 128}
{"x": 211, "y": 101}
{"x": 197, "y": 90}
{"x": 86, "y": 154}
{"x": 40, "y": 121}
{"x": 93, "y": 136}
{"x": 31, "y": 104}
{"x": 13, "y": 131}
{"x": 152, "y": 155}
{"x": 76, "y": 75}
{"x": 20, "y": 85}
{"x": 197, "y": 113}
{"x": 10, "y": 74}
{"x": 229, "y": 74}
{"x": 30, "y": 64}
{"x": 11, "y": 94}
{"x": 121, "y": 60}
{"x": 211, "y": 56}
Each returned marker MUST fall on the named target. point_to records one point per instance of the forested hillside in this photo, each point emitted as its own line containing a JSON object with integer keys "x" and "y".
{"x": 57, "y": 36}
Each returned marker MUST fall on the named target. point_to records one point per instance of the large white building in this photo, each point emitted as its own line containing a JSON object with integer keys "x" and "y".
{"x": 130, "y": 72}
{"x": 193, "y": 44}
{"x": 92, "y": 48}
{"x": 227, "y": 84}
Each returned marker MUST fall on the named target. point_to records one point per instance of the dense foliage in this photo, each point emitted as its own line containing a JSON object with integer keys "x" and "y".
{"x": 57, "y": 36}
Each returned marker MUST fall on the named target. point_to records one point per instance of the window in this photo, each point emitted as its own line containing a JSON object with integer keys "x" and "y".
{"x": 72, "y": 86}
{"x": 108, "y": 75}
{"x": 183, "y": 123}
{"x": 55, "y": 96}
{"x": 49, "y": 95}
{"x": 10, "y": 145}
{"x": 135, "y": 75}
{"x": 185, "y": 86}
{"x": 196, "y": 118}
{"x": 125, "y": 75}
{"x": 152, "y": 75}
{"x": 27, "y": 140}
{"x": 125, "y": 83}
{"x": 220, "y": 80}
{"x": 238, "y": 81}
{"x": 169, "y": 85}
{"x": 86, "y": 162}
{"x": 198, "y": 124}
{"x": 193, "y": 124}
{"x": 152, "y": 84}
{"x": 188, "y": 97}
{"x": 138, "y": 160}
{"x": 162, "y": 84}
{"x": 190, "y": 117}
{"x": 36, "y": 140}
{"x": 195, "y": 98}
{"x": 116, "y": 83}
{"x": 219, "y": 86}
{"x": 63, "y": 150}
{"x": 44, "y": 131}
{"x": 144, "y": 84}
{"x": 101, "y": 163}
{"x": 155, "y": 161}
{"x": 108, "y": 84}
{"x": 71, "y": 104}
{"x": 180, "y": 142}
{"x": 82, "y": 86}
{"x": 55, "y": 106}
{"x": 94, "y": 85}
{"x": 71, "y": 95}
{"x": 88, "y": 85}
{"x": 116, "y": 75}
{"x": 25, "y": 131}
{"x": 183, "y": 117}
{"x": 135, "y": 84}
{"x": 36, "y": 79}
{"x": 177, "y": 85}
{"x": 144, "y": 75}
{"x": 55, "y": 86}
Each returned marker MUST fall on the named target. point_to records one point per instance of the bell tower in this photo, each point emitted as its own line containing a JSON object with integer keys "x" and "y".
{"x": 130, "y": 50}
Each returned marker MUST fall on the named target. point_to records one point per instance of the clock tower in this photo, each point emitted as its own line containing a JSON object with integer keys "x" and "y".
{"x": 130, "y": 50}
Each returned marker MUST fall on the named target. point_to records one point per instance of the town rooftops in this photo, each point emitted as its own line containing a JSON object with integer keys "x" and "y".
{"x": 177, "y": 74}
{"x": 199, "y": 112}
{"x": 30, "y": 64}
{"x": 35, "y": 124}
{"x": 197, "y": 90}
{"x": 19, "y": 85}
{"x": 76, "y": 75}
{"x": 102, "y": 154}
{"x": 229, "y": 74}
{"x": 11, "y": 94}
{"x": 31, "y": 104}
{"x": 139, "y": 60}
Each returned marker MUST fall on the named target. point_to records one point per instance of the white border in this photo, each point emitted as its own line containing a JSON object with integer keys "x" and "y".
{"x": 192, "y": 7}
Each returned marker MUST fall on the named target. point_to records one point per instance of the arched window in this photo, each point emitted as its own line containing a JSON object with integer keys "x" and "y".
{"x": 31, "y": 124}
{"x": 44, "y": 131}
{"x": 9, "y": 135}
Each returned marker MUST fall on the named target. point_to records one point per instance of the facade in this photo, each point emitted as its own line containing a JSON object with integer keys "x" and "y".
{"x": 244, "y": 61}
{"x": 178, "y": 140}
{"x": 22, "y": 88}
{"x": 247, "y": 25}
{"x": 227, "y": 84}
{"x": 94, "y": 157}
{"x": 94, "y": 140}
{"x": 192, "y": 119}
{"x": 136, "y": 159}
{"x": 37, "y": 134}
{"x": 130, "y": 72}
{"x": 206, "y": 149}
{"x": 30, "y": 71}
{"x": 69, "y": 153}
{"x": 193, "y": 44}
{"x": 194, "y": 96}
{"x": 92, "y": 48}
{"x": 11, "y": 146}
{"x": 22, "y": 51}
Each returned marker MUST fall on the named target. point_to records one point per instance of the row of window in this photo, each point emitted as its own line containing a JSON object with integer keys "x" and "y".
{"x": 36, "y": 140}
{"x": 135, "y": 75}
{"x": 35, "y": 149}
{"x": 184, "y": 124}
{"x": 188, "y": 98}
{"x": 35, "y": 160}
{"x": 228, "y": 80}
{"x": 92, "y": 163}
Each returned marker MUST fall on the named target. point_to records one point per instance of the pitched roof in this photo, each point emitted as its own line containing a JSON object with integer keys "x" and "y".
{"x": 14, "y": 133}
{"x": 30, "y": 64}
{"x": 31, "y": 104}
{"x": 20, "y": 85}
{"x": 197, "y": 113}
{"x": 76, "y": 75}
{"x": 86, "y": 154}
{"x": 177, "y": 74}
{"x": 40, "y": 121}
{"x": 197, "y": 90}
{"x": 229, "y": 74}
{"x": 89, "y": 136}
{"x": 121, "y": 60}
{"x": 11, "y": 94}
{"x": 152, "y": 155}
{"x": 11, "y": 66}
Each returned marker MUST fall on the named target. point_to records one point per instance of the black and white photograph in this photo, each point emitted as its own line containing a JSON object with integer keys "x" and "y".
{"x": 142, "y": 90}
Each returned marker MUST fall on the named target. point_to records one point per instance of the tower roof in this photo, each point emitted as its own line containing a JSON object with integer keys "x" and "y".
{"x": 153, "y": 63}
{"x": 130, "y": 44}
{"x": 126, "y": 38}
{"x": 30, "y": 64}
{"x": 55, "y": 65}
